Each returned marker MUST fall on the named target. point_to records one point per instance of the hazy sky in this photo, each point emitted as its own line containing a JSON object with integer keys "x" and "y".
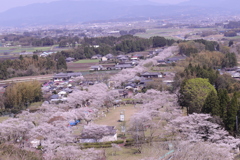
{"x": 7, "y": 4}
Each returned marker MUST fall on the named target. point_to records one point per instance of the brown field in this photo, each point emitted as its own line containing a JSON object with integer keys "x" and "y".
{"x": 76, "y": 67}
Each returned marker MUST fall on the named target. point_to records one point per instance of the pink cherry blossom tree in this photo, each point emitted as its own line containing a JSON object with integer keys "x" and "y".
{"x": 198, "y": 127}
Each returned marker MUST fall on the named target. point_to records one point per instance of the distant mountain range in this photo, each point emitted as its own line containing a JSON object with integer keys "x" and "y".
{"x": 67, "y": 11}
{"x": 223, "y": 4}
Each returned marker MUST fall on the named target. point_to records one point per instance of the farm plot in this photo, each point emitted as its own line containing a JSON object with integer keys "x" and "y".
{"x": 76, "y": 67}
{"x": 87, "y": 61}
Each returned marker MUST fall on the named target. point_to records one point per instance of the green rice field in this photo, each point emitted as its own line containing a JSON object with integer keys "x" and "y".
{"x": 16, "y": 49}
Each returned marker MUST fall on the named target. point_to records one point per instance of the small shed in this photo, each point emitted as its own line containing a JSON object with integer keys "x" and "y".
{"x": 70, "y": 59}
{"x": 35, "y": 143}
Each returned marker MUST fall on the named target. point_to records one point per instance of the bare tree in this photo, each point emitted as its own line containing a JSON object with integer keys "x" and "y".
{"x": 138, "y": 125}
{"x": 115, "y": 148}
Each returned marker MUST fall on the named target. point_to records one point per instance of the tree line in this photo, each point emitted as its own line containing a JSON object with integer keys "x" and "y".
{"x": 115, "y": 45}
{"x": 29, "y": 41}
{"x": 132, "y": 31}
{"x": 189, "y": 48}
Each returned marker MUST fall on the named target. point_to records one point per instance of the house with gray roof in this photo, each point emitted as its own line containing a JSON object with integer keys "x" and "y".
{"x": 109, "y": 134}
{"x": 96, "y": 68}
{"x": 97, "y": 56}
{"x": 151, "y": 75}
{"x": 175, "y": 59}
{"x": 70, "y": 59}
{"x": 123, "y": 66}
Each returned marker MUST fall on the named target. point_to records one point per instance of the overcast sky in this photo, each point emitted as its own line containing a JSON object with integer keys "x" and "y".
{"x": 7, "y": 4}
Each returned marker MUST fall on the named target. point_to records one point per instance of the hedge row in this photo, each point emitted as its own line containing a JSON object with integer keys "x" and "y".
{"x": 101, "y": 144}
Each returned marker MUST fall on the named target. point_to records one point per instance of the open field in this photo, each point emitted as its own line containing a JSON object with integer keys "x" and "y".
{"x": 113, "y": 116}
{"x": 19, "y": 49}
{"x": 123, "y": 154}
{"x": 23, "y": 49}
{"x": 87, "y": 61}
{"x": 82, "y": 65}
{"x": 165, "y": 32}
{"x": 32, "y": 49}
{"x": 156, "y": 32}
{"x": 179, "y": 33}
{"x": 128, "y": 153}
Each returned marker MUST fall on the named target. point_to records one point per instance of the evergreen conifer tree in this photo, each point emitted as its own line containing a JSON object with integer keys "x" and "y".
{"x": 211, "y": 104}
{"x": 223, "y": 102}
{"x": 231, "y": 114}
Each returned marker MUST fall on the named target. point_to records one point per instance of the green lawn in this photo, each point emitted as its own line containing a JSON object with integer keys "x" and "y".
{"x": 124, "y": 153}
{"x": 31, "y": 49}
{"x": 113, "y": 116}
{"x": 233, "y": 38}
{"x": 128, "y": 153}
{"x": 88, "y": 61}
{"x": 3, "y": 119}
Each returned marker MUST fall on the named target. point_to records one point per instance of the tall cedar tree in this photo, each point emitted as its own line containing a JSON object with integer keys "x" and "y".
{"x": 224, "y": 101}
{"x": 211, "y": 104}
{"x": 231, "y": 114}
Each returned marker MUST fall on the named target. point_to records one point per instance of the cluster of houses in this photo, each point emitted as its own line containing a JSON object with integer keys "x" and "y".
{"x": 112, "y": 67}
{"x": 138, "y": 83}
{"x": 122, "y": 62}
{"x": 124, "y": 58}
{"x": 119, "y": 58}
{"x": 61, "y": 86}
{"x": 129, "y": 61}
{"x": 234, "y": 72}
